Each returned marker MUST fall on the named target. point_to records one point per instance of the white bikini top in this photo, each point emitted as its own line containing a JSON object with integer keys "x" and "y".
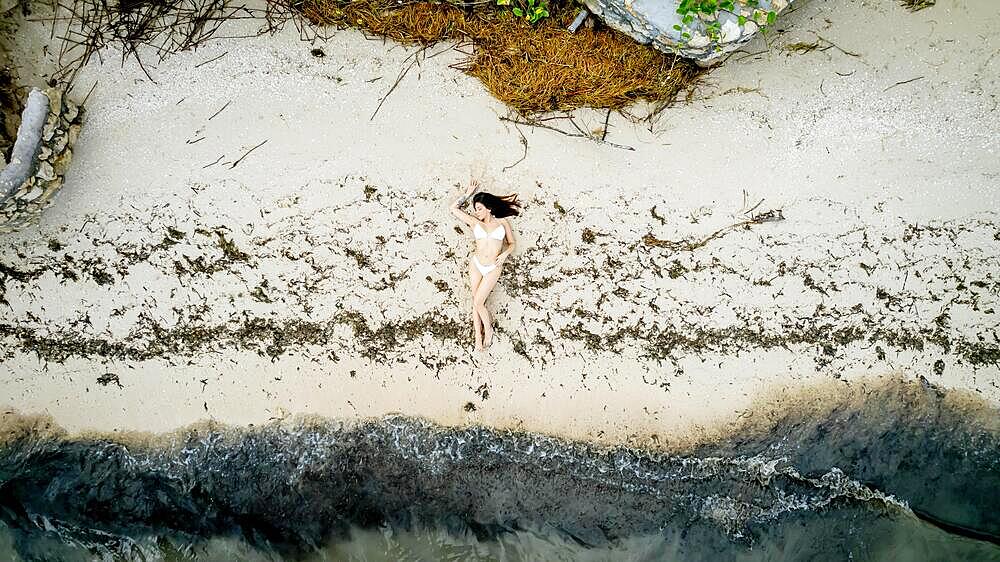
{"x": 480, "y": 233}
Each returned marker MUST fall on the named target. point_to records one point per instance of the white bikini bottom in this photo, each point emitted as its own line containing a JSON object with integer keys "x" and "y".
{"x": 483, "y": 269}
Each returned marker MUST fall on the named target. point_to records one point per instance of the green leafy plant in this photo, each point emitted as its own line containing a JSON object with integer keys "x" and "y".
{"x": 707, "y": 13}
{"x": 530, "y": 10}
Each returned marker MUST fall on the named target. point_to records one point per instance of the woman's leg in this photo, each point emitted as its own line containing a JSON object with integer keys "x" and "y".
{"x": 477, "y": 324}
{"x": 479, "y": 303}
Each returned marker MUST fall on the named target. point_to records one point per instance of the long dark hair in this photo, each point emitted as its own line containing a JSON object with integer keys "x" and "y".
{"x": 500, "y": 206}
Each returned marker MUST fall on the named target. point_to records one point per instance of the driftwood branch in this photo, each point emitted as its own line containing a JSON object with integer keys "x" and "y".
{"x": 903, "y": 82}
{"x": 247, "y": 153}
{"x": 220, "y": 110}
{"x": 402, "y": 74}
{"x": 531, "y": 122}
{"x": 524, "y": 143}
{"x": 691, "y": 244}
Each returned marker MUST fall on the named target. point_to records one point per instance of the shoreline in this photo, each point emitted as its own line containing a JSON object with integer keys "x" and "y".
{"x": 336, "y": 231}
{"x": 812, "y": 460}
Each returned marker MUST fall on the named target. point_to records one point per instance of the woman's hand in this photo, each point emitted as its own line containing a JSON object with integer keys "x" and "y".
{"x": 473, "y": 186}
{"x": 502, "y": 258}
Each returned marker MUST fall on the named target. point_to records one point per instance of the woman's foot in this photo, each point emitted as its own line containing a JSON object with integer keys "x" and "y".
{"x": 487, "y": 336}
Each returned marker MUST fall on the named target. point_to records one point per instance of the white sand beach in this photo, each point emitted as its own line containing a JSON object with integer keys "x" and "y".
{"x": 173, "y": 281}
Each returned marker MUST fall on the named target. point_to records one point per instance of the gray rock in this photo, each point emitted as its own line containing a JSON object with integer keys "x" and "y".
{"x": 705, "y": 39}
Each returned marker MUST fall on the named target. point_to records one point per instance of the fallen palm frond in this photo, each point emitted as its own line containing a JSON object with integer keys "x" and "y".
{"x": 916, "y": 5}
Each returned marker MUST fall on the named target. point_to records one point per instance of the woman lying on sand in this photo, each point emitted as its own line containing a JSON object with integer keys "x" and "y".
{"x": 491, "y": 229}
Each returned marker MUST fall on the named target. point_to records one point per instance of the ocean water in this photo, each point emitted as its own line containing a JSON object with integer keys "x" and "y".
{"x": 895, "y": 471}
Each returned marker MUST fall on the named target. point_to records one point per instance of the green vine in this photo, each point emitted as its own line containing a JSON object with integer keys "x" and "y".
{"x": 530, "y": 10}
{"x": 707, "y": 12}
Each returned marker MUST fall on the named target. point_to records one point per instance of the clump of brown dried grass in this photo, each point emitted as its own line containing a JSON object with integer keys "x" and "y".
{"x": 531, "y": 68}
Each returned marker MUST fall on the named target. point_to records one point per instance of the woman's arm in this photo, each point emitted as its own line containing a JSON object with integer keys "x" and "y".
{"x": 456, "y": 205}
{"x": 509, "y": 239}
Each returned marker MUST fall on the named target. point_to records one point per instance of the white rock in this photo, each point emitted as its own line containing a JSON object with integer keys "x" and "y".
{"x": 731, "y": 31}
{"x": 698, "y": 41}
{"x": 33, "y": 194}
{"x": 45, "y": 171}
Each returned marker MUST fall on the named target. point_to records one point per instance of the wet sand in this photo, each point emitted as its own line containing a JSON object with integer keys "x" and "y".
{"x": 323, "y": 275}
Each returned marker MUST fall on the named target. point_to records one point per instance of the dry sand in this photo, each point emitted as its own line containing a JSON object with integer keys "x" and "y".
{"x": 323, "y": 274}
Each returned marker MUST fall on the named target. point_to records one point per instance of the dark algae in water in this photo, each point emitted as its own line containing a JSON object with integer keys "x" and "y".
{"x": 940, "y": 451}
{"x": 883, "y": 471}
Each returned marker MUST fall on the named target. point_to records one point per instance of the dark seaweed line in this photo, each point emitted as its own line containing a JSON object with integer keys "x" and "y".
{"x": 611, "y": 266}
{"x": 274, "y": 338}
{"x": 268, "y": 337}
